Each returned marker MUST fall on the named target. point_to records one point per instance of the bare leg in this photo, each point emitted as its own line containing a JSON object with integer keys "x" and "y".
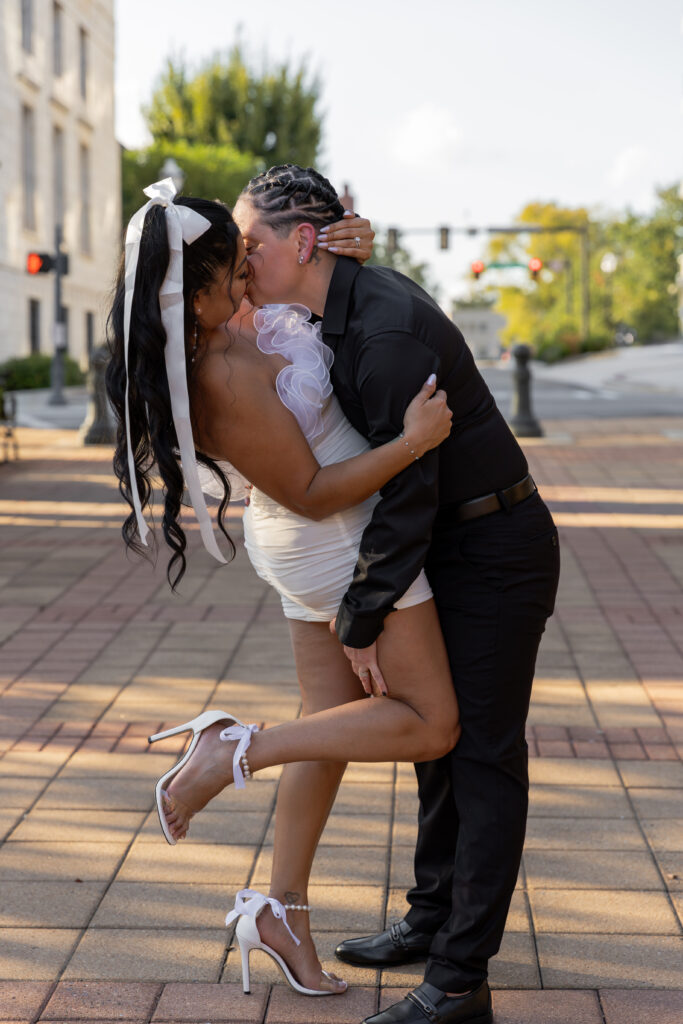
{"x": 417, "y": 722}
{"x": 299, "y": 823}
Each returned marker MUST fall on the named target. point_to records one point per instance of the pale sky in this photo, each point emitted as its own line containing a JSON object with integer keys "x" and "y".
{"x": 452, "y": 111}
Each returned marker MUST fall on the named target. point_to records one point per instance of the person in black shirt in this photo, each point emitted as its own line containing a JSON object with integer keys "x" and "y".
{"x": 469, "y": 514}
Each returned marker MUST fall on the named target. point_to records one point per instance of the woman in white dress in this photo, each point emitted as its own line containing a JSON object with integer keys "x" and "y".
{"x": 198, "y": 375}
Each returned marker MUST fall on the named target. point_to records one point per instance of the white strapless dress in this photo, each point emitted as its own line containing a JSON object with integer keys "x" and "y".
{"x": 310, "y": 564}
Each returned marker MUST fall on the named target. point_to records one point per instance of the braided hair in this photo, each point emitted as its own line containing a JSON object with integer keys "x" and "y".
{"x": 288, "y": 194}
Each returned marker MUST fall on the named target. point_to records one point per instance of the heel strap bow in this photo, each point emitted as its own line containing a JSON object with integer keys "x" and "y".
{"x": 243, "y": 734}
{"x": 251, "y": 903}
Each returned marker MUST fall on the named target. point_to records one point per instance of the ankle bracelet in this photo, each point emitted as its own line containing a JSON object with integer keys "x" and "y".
{"x": 246, "y": 770}
{"x": 297, "y": 906}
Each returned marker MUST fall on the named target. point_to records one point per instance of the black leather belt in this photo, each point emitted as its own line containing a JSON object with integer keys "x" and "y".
{"x": 494, "y": 502}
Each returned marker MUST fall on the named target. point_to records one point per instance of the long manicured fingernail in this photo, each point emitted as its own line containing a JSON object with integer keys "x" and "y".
{"x": 323, "y": 245}
{"x": 322, "y": 236}
{"x": 332, "y": 248}
{"x": 431, "y": 379}
{"x": 349, "y": 213}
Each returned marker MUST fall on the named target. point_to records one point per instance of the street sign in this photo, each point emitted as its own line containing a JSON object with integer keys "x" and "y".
{"x": 490, "y": 265}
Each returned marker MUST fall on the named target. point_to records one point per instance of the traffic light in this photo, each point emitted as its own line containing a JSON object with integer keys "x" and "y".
{"x": 477, "y": 268}
{"x": 45, "y": 262}
{"x": 444, "y": 238}
{"x": 534, "y": 266}
{"x": 392, "y": 239}
{"x": 40, "y": 262}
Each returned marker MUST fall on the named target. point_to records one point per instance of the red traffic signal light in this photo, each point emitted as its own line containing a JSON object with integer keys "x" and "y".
{"x": 39, "y": 263}
{"x": 478, "y": 268}
{"x": 534, "y": 266}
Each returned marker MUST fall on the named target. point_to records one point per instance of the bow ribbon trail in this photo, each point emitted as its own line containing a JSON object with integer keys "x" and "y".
{"x": 243, "y": 734}
{"x": 182, "y": 225}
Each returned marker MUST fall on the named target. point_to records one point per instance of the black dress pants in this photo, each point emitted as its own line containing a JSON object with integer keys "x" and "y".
{"x": 494, "y": 581}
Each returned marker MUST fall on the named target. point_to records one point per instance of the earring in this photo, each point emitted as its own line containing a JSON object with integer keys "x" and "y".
{"x": 301, "y": 259}
{"x": 195, "y": 339}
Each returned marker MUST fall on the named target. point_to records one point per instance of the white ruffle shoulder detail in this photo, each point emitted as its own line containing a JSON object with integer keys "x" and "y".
{"x": 303, "y": 386}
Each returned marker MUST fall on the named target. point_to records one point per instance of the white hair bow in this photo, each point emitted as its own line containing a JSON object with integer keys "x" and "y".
{"x": 182, "y": 225}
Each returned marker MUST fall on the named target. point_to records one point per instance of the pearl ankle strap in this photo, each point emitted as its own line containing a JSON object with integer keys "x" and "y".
{"x": 298, "y": 906}
{"x": 246, "y": 770}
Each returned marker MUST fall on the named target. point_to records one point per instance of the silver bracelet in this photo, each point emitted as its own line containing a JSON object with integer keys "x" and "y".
{"x": 407, "y": 444}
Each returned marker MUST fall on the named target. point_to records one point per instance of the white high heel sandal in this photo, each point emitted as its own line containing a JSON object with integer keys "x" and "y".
{"x": 248, "y": 906}
{"x": 240, "y": 766}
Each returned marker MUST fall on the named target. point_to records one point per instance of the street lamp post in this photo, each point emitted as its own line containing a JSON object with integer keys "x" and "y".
{"x": 57, "y": 368}
{"x": 608, "y": 264}
{"x": 171, "y": 169}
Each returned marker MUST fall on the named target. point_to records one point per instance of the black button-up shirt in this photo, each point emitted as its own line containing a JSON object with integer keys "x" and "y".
{"x": 388, "y": 335}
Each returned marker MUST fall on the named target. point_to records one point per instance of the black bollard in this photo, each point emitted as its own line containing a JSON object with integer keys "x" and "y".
{"x": 8, "y": 418}
{"x": 97, "y": 427}
{"x": 522, "y": 419}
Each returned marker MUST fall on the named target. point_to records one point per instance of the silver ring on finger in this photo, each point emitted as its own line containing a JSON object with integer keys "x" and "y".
{"x": 357, "y": 241}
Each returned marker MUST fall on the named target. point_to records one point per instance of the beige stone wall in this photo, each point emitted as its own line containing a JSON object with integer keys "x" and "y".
{"x": 28, "y": 78}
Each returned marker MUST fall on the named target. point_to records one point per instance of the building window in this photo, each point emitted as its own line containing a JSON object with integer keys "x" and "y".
{"x": 58, "y": 174}
{"x": 89, "y": 333}
{"x": 83, "y": 61}
{"x": 28, "y": 168}
{"x": 34, "y": 325}
{"x": 85, "y": 199}
{"x": 27, "y": 25}
{"x": 57, "y": 34}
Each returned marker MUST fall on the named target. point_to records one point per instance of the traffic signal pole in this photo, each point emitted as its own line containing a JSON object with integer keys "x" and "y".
{"x": 517, "y": 229}
{"x": 59, "y": 338}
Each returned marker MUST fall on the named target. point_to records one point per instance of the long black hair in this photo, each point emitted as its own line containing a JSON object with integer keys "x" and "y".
{"x": 153, "y": 436}
{"x": 289, "y": 194}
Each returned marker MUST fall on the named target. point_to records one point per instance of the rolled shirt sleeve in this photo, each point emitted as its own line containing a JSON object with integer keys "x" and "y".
{"x": 390, "y": 369}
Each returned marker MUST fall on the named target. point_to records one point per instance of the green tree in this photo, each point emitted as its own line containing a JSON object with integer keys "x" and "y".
{"x": 642, "y": 291}
{"x": 271, "y": 115}
{"x": 213, "y": 172}
{"x": 547, "y": 312}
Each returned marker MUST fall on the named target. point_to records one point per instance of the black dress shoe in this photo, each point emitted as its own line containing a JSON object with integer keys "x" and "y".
{"x": 429, "y": 1005}
{"x": 399, "y": 944}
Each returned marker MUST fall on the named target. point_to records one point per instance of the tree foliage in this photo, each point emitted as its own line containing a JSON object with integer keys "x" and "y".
{"x": 270, "y": 115}
{"x": 213, "y": 172}
{"x": 546, "y": 312}
{"x": 640, "y": 292}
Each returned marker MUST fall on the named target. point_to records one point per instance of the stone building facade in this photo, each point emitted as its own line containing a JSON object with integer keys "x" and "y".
{"x": 59, "y": 163}
{"x": 481, "y": 327}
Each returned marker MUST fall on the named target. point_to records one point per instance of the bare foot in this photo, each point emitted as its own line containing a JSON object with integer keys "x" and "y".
{"x": 205, "y": 775}
{"x": 302, "y": 960}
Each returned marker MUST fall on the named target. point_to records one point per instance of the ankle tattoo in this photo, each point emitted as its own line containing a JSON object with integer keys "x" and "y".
{"x": 292, "y": 901}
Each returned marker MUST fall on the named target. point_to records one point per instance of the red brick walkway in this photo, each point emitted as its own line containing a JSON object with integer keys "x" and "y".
{"x": 101, "y": 921}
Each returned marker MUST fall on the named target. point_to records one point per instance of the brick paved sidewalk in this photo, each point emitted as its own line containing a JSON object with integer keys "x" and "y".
{"x": 101, "y": 921}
